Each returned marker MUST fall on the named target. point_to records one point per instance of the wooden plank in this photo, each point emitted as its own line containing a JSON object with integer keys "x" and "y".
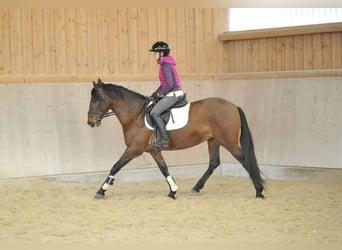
{"x": 93, "y": 60}
{"x": 172, "y": 33}
{"x": 272, "y": 54}
{"x": 231, "y": 56}
{"x": 143, "y": 44}
{"x": 38, "y": 42}
{"x": 326, "y": 51}
{"x": 255, "y": 55}
{"x": 225, "y": 58}
{"x": 113, "y": 31}
{"x": 5, "y": 42}
{"x": 123, "y": 42}
{"x": 172, "y": 30}
{"x": 171, "y": 24}
{"x": 289, "y": 53}
{"x": 307, "y": 42}
{"x": 316, "y": 51}
{"x": 50, "y": 42}
{"x": 71, "y": 41}
{"x": 280, "y": 50}
{"x": 337, "y": 50}
{"x": 102, "y": 41}
{"x": 263, "y": 55}
{"x": 298, "y": 52}
{"x": 238, "y": 56}
{"x": 4, "y": 45}
{"x": 219, "y": 23}
{"x": 246, "y": 56}
{"x": 153, "y": 37}
{"x": 191, "y": 45}
{"x": 162, "y": 24}
{"x": 28, "y": 64}
{"x": 82, "y": 41}
{"x": 199, "y": 61}
{"x": 208, "y": 44}
{"x": 60, "y": 37}
{"x": 15, "y": 42}
{"x": 133, "y": 41}
{"x": 181, "y": 40}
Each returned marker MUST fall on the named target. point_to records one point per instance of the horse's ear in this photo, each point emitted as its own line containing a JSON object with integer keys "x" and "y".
{"x": 100, "y": 82}
{"x": 96, "y": 87}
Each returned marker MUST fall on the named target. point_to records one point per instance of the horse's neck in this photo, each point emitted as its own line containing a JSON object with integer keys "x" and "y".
{"x": 127, "y": 110}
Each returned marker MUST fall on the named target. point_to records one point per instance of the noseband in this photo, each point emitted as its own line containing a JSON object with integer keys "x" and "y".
{"x": 100, "y": 114}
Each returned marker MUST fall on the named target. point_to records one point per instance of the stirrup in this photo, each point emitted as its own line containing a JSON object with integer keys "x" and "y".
{"x": 162, "y": 143}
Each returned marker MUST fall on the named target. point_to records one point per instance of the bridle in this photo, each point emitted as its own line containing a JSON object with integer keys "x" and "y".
{"x": 101, "y": 115}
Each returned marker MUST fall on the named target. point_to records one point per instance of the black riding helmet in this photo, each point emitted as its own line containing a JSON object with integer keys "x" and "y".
{"x": 160, "y": 47}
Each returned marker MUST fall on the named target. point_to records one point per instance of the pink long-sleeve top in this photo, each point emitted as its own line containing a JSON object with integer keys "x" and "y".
{"x": 168, "y": 76}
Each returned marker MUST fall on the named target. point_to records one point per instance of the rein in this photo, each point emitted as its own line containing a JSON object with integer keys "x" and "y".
{"x": 108, "y": 114}
{"x": 101, "y": 115}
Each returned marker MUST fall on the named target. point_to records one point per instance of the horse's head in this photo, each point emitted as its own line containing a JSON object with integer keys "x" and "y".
{"x": 98, "y": 106}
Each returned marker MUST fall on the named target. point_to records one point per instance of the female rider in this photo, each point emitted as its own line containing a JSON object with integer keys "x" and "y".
{"x": 170, "y": 89}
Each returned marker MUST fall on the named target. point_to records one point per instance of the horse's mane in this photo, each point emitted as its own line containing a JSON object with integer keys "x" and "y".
{"x": 117, "y": 91}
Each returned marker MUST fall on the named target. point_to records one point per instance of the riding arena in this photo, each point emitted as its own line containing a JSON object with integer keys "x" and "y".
{"x": 257, "y": 157}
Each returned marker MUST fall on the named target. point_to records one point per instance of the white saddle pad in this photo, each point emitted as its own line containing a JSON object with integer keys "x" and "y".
{"x": 179, "y": 118}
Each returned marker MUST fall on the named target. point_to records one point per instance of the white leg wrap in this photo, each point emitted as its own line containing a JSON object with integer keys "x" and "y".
{"x": 105, "y": 186}
{"x": 172, "y": 183}
{"x": 109, "y": 181}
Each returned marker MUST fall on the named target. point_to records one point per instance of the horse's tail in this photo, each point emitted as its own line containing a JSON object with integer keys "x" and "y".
{"x": 248, "y": 158}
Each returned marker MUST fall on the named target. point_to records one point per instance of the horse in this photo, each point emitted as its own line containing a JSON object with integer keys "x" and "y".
{"x": 215, "y": 120}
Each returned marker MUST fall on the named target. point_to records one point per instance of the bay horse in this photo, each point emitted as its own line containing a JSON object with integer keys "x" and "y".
{"x": 215, "y": 120}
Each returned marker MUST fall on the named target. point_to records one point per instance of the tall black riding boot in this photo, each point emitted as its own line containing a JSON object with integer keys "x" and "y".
{"x": 164, "y": 141}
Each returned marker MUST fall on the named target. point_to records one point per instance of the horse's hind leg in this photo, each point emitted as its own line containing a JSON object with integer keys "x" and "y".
{"x": 246, "y": 155}
{"x": 214, "y": 154}
{"x": 157, "y": 156}
{"x": 249, "y": 162}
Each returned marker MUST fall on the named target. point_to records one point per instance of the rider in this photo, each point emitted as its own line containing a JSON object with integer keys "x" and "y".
{"x": 170, "y": 89}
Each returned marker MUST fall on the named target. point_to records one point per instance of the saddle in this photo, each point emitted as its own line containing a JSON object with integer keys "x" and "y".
{"x": 167, "y": 114}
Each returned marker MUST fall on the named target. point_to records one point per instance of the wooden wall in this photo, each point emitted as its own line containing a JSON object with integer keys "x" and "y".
{"x": 301, "y": 48}
{"x": 80, "y": 44}
{"x": 58, "y": 45}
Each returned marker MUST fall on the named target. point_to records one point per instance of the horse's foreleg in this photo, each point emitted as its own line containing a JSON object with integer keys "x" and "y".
{"x": 214, "y": 154}
{"x": 157, "y": 156}
{"x": 127, "y": 156}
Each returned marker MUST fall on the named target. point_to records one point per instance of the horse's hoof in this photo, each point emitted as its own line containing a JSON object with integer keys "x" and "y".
{"x": 172, "y": 195}
{"x": 194, "y": 192}
{"x": 259, "y": 195}
{"x": 100, "y": 194}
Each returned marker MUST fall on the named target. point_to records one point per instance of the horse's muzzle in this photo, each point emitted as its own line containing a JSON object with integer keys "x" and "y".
{"x": 94, "y": 123}
{"x": 91, "y": 124}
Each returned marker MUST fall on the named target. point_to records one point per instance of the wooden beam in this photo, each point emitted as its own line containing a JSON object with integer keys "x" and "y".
{"x": 278, "y": 32}
{"x": 184, "y": 77}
